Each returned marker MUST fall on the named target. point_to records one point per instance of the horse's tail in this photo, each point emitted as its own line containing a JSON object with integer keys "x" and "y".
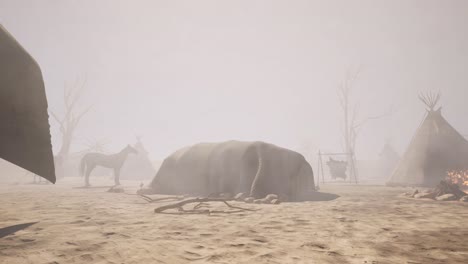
{"x": 82, "y": 165}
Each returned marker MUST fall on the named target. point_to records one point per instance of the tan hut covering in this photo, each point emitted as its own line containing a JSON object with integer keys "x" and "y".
{"x": 253, "y": 168}
{"x": 24, "y": 134}
{"x": 435, "y": 149}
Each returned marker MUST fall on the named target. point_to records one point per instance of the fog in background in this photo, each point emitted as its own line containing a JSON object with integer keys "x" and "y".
{"x": 181, "y": 72}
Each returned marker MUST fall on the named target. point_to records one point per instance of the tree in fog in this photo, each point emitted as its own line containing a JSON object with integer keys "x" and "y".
{"x": 70, "y": 120}
{"x": 350, "y": 109}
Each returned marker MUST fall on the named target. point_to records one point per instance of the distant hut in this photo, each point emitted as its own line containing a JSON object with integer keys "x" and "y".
{"x": 139, "y": 166}
{"x": 388, "y": 159}
{"x": 435, "y": 149}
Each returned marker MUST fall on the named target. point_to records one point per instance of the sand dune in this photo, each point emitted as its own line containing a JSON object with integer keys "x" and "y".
{"x": 365, "y": 225}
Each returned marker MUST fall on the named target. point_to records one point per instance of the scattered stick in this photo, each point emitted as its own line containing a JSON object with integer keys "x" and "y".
{"x": 208, "y": 212}
{"x": 200, "y": 205}
{"x": 201, "y": 202}
{"x": 151, "y": 200}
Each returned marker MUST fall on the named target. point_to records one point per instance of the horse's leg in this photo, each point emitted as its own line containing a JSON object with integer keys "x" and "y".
{"x": 89, "y": 169}
{"x": 117, "y": 176}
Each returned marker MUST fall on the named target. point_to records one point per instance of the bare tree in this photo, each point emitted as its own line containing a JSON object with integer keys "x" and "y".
{"x": 349, "y": 109}
{"x": 95, "y": 145}
{"x": 351, "y": 125}
{"x": 71, "y": 118}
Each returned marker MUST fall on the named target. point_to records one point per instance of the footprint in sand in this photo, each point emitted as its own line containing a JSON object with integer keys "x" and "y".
{"x": 77, "y": 222}
{"x": 190, "y": 253}
{"x": 271, "y": 223}
{"x": 260, "y": 239}
{"x": 192, "y": 256}
{"x": 315, "y": 245}
{"x": 236, "y": 245}
{"x": 249, "y": 252}
{"x": 198, "y": 247}
{"x": 86, "y": 257}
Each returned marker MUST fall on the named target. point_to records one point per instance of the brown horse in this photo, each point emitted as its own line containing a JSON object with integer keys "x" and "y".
{"x": 113, "y": 161}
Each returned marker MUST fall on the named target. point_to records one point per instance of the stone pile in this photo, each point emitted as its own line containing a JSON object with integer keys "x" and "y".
{"x": 444, "y": 191}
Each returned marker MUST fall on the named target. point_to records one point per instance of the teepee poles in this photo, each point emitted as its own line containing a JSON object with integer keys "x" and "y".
{"x": 430, "y": 99}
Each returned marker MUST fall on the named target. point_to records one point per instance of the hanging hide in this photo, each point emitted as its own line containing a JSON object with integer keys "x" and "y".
{"x": 24, "y": 133}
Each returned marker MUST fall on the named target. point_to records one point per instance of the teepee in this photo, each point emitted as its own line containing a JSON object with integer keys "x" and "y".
{"x": 435, "y": 149}
{"x": 388, "y": 158}
{"x": 139, "y": 166}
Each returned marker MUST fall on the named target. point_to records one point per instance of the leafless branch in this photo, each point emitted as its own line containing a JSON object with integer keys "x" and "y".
{"x": 58, "y": 121}
{"x": 70, "y": 119}
{"x": 163, "y": 199}
{"x": 199, "y": 201}
{"x": 363, "y": 122}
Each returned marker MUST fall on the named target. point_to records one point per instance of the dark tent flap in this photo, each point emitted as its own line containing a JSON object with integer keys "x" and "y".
{"x": 24, "y": 121}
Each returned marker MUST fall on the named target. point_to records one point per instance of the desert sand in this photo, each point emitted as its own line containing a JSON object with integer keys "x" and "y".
{"x": 367, "y": 224}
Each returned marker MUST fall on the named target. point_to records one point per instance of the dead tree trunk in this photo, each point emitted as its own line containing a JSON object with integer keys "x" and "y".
{"x": 349, "y": 117}
{"x": 69, "y": 121}
{"x": 350, "y": 112}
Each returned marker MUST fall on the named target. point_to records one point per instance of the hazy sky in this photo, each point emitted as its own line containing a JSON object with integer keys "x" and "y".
{"x": 180, "y": 72}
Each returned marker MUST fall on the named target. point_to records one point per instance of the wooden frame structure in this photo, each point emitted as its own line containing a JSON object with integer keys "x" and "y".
{"x": 353, "y": 174}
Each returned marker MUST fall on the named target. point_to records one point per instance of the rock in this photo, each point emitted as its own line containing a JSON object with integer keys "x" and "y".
{"x": 446, "y": 197}
{"x": 240, "y": 197}
{"x": 271, "y": 197}
{"x": 447, "y": 187}
{"x": 275, "y": 201}
{"x": 259, "y": 201}
{"x": 423, "y": 195}
{"x": 249, "y": 200}
{"x": 464, "y": 199}
{"x": 225, "y": 195}
{"x": 147, "y": 191}
{"x": 116, "y": 189}
{"x": 414, "y": 193}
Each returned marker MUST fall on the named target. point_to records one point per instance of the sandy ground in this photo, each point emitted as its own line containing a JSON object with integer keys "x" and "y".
{"x": 367, "y": 224}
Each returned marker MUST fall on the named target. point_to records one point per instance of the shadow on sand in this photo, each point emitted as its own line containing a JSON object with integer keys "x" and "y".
{"x": 14, "y": 228}
{"x": 94, "y": 187}
{"x": 318, "y": 197}
{"x": 310, "y": 197}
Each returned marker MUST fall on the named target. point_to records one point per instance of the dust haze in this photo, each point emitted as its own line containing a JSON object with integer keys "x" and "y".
{"x": 178, "y": 72}
{"x": 330, "y": 131}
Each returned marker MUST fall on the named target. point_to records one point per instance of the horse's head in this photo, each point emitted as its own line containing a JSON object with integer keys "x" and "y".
{"x": 129, "y": 149}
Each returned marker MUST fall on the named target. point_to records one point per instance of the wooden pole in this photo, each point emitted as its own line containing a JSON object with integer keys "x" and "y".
{"x": 354, "y": 171}
{"x": 318, "y": 167}
{"x": 321, "y": 169}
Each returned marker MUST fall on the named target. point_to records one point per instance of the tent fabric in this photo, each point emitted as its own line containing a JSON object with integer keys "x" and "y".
{"x": 435, "y": 149}
{"x": 24, "y": 134}
{"x": 252, "y": 168}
